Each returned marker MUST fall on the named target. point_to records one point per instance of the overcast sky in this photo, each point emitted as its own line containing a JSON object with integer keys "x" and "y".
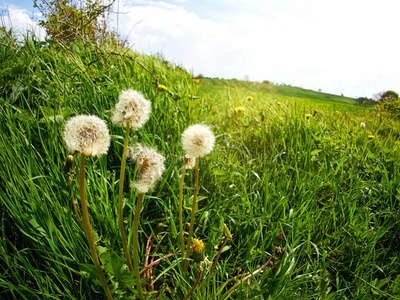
{"x": 339, "y": 46}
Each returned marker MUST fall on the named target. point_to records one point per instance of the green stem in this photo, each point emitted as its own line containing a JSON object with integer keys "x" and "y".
{"x": 88, "y": 228}
{"x": 74, "y": 204}
{"x": 180, "y": 211}
{"x": 121, "y": 192}
{"x": 135, "y": 244}
{"x": 189, "y": 240}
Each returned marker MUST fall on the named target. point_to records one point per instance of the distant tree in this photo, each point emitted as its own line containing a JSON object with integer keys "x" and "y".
{"x": 71, "y": 20}
{"x": 389, "y": 95}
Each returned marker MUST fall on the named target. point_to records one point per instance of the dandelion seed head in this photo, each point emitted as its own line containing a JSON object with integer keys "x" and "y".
{"x": 87, "y": 135}
{"x": 362, "y": 124}
{"x": 198, "y": 140}
{"x": 150, "y": 165}
{"x": 131, "y": 106}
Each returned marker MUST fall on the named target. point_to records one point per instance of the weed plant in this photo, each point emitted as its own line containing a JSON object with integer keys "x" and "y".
{"x": 299, "y": 207}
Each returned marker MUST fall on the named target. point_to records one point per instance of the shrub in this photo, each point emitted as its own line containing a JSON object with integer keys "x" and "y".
{"x": 389, "y": 95}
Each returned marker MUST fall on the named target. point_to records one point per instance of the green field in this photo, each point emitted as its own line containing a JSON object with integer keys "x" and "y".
{"x": 309, "y": 194}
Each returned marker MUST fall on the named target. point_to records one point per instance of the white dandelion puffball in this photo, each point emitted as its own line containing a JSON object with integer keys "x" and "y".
{"x": 150, "y": 165}
{"x": 87, "y": 135}
{"x": 198, "y": 140}
{"x": 362, "y": 124}
{"x": 131, "y": 106}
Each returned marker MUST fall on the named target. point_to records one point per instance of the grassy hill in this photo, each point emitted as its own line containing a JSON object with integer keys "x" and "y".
{"x": 307, "y": 186}
{"x": 268, "y": 88}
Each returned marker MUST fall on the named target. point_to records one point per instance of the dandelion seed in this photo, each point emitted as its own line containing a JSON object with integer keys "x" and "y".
{"x": 87, "y": 135}
{"x": 190, "y": 161}
{"x": 151, "y": 167}
{"x": 198, "y": 140}
{"x": 131, "y": 106}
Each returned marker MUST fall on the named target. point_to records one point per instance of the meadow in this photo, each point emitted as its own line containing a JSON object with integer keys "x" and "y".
{"x": 297, "y": 200}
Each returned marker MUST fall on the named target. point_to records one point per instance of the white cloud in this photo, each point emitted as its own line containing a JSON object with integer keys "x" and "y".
{"x": 18, "y": 19}
{"x": 339, "y": 46}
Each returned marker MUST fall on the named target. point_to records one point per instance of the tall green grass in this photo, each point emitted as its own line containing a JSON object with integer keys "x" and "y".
{"x": 329, "y": 188}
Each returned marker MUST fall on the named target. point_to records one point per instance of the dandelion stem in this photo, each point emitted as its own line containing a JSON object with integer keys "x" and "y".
{"x": 74, "y": 204}
{"x": 194, "y": 286}
{"x": 121, "y": 191}
{"x": 217, "y": 257}
{"x": 135, "y": 244}
{"x": 189, "y": 243}
{"x": 248, "y": 276}
{"x": 88, "y": 227}
{"x": 156, "y": 262}
{"x": 180, "y": 211}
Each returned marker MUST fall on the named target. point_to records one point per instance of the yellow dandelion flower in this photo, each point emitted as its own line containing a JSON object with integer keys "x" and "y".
{"x": 249, "y": 98}
{"x": 239, "y": 109}
{"x": 279, "y": 103}
{"x": 308, "y": 116}
{"x": 315, "y": 112}
{"x": 162, "y": 87}
{"x": 198, "y": 250}
{"x": 371, "y": 136}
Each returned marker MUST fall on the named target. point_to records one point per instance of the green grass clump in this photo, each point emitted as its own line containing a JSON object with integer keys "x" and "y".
{"x": 309, "y": 185}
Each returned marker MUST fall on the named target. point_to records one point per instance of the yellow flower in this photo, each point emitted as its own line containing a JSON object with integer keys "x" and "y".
{"x": 239, "y": 109}
{"x": 249, "y": 98}
{"x": 162, "y": 87}
{"x": 279, "y": 103}
{"x": 198, "y": 250}
{"x": 308, "y": 116}
{"x": 315, "y": 112}
{"x": 371, "y": 136}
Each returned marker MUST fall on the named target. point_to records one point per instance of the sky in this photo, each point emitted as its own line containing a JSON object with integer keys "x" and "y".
{"x": 348, "y": 47}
